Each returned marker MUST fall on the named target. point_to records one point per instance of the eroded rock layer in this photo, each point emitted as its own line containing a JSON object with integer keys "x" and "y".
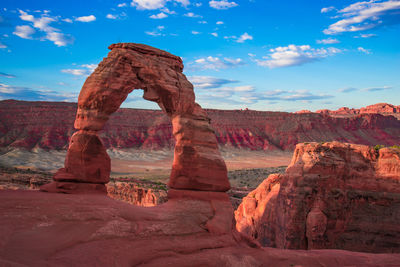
{"x": 332, "y": 196}
{"x": 197, "y": 164}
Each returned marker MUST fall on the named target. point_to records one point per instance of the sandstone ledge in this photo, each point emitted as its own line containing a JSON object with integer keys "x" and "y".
{"x": 44, "y": 229}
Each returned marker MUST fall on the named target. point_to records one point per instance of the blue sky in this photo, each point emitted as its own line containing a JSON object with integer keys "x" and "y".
{"x": 263, "y": 55}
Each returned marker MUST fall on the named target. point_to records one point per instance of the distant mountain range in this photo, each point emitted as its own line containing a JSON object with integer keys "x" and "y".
{"x": 49, "y": 125}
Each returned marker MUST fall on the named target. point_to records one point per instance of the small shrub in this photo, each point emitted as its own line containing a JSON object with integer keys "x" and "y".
{"x": 377, "y": 147}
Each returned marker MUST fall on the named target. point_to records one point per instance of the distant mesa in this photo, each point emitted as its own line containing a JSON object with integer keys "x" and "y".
{"x": 380, "y": 108}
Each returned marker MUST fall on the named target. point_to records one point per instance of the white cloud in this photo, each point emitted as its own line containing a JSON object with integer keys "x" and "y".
{"x": 159, "y": 16}
{"x": 327, "y": 9}
{"x": 67, "y": 20}
{"x": 202, "y": 22}
{"x": 192, "y": 15}
{"x": 121, "y": 5}
{"x": 216, "y": 63}
{"x": 363, "y": 50}
{"x": 328, "y": 41}
{"x": 365, "y": 15}
{"x": 195, "y": 32}
{"x": 42, "y": 23}
{"x": 183, "y": 2}
{"x": 155, "y": 4}
{"x": 214, "y": 34}
{"x": 111, "y": 16}
{"x": 148, "y": 4}
{"x": 87, "y": 70}
{"x": 167, "y": 11}
{"x": 24, "y": 31}
{"x": 156, "y": 32}
{"x": 245, "y": 36}
{"x": 219, "y": 22}
{"x": 207, "y": 82}
{"x": 223, "y": 4}
{"x": 365, "y": 35}
{"x": 295, "y": 55}
{"x": 89, "y": 18}
{"x": 116, "y": 16}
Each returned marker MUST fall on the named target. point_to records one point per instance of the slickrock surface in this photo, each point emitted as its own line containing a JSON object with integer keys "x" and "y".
{"x": 197, "y": 164}
{"x": 49, "y": 125}
{"x": 332, "y": 196}
{"x": 44, "y": 229}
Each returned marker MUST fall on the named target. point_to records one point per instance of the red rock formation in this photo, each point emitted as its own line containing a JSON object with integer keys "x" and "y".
{"x": 136, "y": 194}
{"x": 255, "y": 216}
{"x": 380, "y": 108}
{"x": 197, "y": 164}
{"x": 333, "y": 195}
{"x": 39, "y": 229}
{"x": 49, "y": 126}
{"x": 383, "y": 108}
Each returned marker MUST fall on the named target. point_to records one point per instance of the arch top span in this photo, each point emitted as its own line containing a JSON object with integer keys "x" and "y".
{"x": 130, "y": 66}
{"x": 197, "y": 164}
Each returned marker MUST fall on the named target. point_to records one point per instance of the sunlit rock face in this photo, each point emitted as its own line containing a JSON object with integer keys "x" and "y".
{"x": 332, "y": 196}
{"x": 197, "y": 164}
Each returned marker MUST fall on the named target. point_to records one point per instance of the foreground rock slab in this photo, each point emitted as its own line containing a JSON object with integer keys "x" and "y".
{"x": 44, "y": 229}
{"x": 332, "y": 196}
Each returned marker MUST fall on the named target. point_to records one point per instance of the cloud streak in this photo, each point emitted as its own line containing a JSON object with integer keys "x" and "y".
{"x": 6, "y": 75}
{"x": 369, "y": 89}
{"x": 29, "y": 94}
{"x": 207, "y": 82}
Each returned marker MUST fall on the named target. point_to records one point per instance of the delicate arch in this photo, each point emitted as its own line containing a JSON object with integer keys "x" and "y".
{"x": 197, "y": 164}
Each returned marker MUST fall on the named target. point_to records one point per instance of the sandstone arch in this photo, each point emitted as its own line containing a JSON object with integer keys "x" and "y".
{"x": 197, "y": 163}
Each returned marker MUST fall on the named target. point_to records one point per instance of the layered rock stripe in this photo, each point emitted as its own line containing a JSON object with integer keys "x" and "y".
{"x": 197, "y": 164}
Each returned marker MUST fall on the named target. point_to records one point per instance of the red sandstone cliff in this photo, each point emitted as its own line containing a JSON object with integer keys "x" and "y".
{"x": 332, "y": 196}
{"x": 49, "y": 125}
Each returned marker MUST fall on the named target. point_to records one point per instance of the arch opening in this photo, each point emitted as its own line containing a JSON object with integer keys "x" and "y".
{"x": 197, "y": 165}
